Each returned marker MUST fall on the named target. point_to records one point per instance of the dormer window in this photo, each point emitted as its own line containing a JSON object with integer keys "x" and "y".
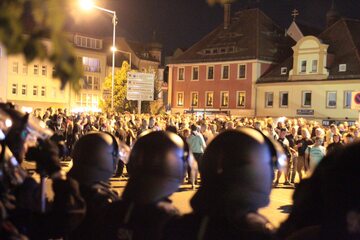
{"x": 314, "y": 66}
{"x": 283, "y": 71}
{"x": 303, "y": 66}
{"x": 342, "y": 67}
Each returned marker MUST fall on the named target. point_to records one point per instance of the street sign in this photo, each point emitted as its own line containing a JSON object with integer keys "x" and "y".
{"x": 305, "y": 112}
{"x": 140, "y": 86}
{"x": 355, "y": 100}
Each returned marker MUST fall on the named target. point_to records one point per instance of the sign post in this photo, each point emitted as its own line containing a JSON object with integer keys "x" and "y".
{"x": 140, "y": 87}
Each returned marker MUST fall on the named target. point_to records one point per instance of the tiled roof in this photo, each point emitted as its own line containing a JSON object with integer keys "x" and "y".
{"x": 343, "y": 39}
{"x": 251, "y": 35}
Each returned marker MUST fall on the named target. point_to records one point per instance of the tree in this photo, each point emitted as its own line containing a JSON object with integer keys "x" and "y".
{"x": 121, "y": 104}
{"x": 24, "y": 24}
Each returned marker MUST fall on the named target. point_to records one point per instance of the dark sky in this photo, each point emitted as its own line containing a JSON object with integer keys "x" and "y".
{"x": 181, "y": 23}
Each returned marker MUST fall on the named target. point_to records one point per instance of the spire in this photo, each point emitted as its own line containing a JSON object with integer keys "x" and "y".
{"x": 295, "y": 13}
{"x": 332, "y": 15}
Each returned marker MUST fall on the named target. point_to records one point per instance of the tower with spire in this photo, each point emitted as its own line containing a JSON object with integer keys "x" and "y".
{"x": 332, "y": 16}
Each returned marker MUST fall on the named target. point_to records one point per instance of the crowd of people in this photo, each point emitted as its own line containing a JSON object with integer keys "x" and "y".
{"x": 239, "y": 161}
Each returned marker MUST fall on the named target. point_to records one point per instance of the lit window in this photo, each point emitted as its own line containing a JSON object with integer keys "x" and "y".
{"x": 306, "y": 99}
{"x": 195, "y": 73}
{"x": 35, "y": 90}
{"x": 303, "y": 67}
{"x": 194, "y": 99}
{"x": 210, "y": 73}
{"x": 225, "y": 72}
{"x": 240, "y": 99}
{"x": 242, "y": 71}
{"x": 23, "y": 90}
{"x": 14, "y": 89}
{"x": 347, "y": 99}
{"x": 331, "y": 99}
{"x": 36, "y": 69}
{"x": 284, "y": 99}
{"x": 314, "y": 67}
{"x": 269, "y": 99}
{"x": 224, "y": 96}
{"x": 91, "y": 64}
{"x": 209, "y": 99}
{"x": 15, "y": 67}
{"x": 44, "y": 70}
{"x": 181, "y": 74}
{"x": 180, "y": 99}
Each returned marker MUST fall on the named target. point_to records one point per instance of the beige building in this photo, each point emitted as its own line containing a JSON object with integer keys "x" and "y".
{"x": 317, "y": 81}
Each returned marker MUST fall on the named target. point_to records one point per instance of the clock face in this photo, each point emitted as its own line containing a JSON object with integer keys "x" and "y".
{"x": 357, "y": 98}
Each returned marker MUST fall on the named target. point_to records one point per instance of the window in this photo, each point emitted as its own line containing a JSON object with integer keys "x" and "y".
{"x": 284, "y": 99}
{"x": 25, "y": 69}
{"x": 181, "y": 74}
{"x": 283, "y": 71}
{"x": 87, "y": 42}
{"x": 180, "y": 99}
{"x": 35, "y": 90}
{"x": 240, "y": 99}
{"x": 306, "y": 99}
{"x": 269, "y": 99}
{"x": 225, "y": 72}
{"x": 43, "y": 91}
{"x": 14, "y": 89}
{"x": 210, "y": 73}
{"x": 23, "y": 89}
{"x": 195, "y": 73}
{"x": 53, "y": 72}
{"x": 314, "y": 67}
{"x": 91, "y": 64}
{"x": 303, "y": 67}
{"x": 224, "y": 97}
{"x": 342, "y": 67}
{"x": 43, "y": 70}
{"x": 331, "y": 99}
{"x": 15, "y": 67}
{"x": 242, "y": 71}
{"x": 347, "y": 99}
{"x": 36, "y": 69}
{"x": 209, "y": 99}
{"x": 96, "y": 83}
{"x": 194, "y": 99}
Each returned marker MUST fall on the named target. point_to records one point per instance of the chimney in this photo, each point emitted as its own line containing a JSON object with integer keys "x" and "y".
{"x": 227, "y": 15}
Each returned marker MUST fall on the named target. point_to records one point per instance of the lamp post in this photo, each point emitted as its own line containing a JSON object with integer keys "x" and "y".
{"x": 87, "y": 5}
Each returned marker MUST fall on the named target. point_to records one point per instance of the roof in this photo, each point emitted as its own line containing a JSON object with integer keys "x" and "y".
{"x": 343, "y": 39}
{"x": 307, "y": 30}
{"x": 251, "y": 35}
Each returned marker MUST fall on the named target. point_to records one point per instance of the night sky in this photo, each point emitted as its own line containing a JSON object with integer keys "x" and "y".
{"x": 181, "y": 23}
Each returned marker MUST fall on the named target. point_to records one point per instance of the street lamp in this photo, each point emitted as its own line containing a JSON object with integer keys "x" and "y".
{"x": 89, "y": 4}
{"x": 114, "y": 49}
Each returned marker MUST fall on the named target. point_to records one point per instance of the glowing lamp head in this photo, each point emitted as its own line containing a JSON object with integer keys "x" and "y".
{"x": 113, "y": 49}
{"x": 86, "y": 4}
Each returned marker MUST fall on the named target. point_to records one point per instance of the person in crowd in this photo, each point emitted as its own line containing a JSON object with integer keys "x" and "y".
{"x": 21, "y": 195}
{"x": 236, "y": 177}
{"x": 286, "y": 147}
{"x": 336, "y": 145}
{"x": 95, "y": 156}
{"x": 327, "y": 205}
{"x": 329, "y": 135}
{"x": 292, "y": 137}
{"x": 157, "y": 167}
{"x": 349, "y": 138}
{"x": 301, "y": 146}
{"x": 313, "y": 155}
{"x": 196, "y": 143}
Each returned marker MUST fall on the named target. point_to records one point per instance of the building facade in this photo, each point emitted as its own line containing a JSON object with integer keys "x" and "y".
{"x": 318, "y": 79}
{"x": 219, "y": 72}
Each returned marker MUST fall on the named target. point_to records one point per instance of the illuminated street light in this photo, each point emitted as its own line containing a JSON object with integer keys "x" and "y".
{"x": 88, "y": 5}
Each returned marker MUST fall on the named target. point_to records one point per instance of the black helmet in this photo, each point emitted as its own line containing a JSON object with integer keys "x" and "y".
{"x": 237, "y": 171}
{"x": 156, "y": 167}
{"x": 95, "y": 158}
